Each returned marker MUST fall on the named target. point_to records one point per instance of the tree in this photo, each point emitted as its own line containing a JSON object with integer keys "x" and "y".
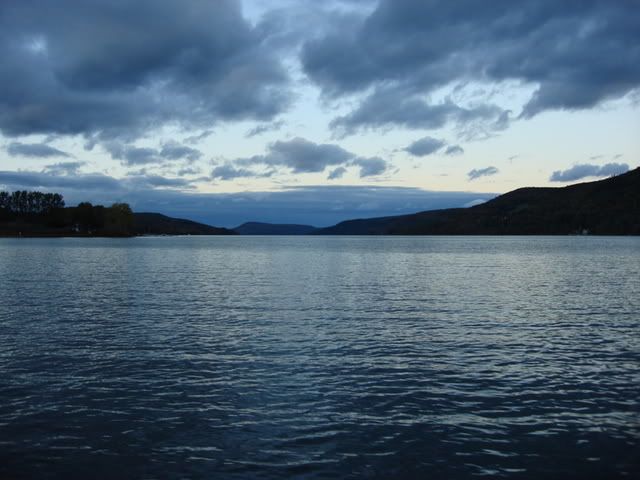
{"x": 119, "y": 219}
{"x": 5, "y": 202}
{"x": 23, "y": 202}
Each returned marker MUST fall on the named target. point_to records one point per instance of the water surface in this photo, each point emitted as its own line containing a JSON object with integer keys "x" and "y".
{"x": 320, "y": 357}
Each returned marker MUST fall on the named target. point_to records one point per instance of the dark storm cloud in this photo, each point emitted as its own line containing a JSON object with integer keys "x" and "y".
{"x": 290, "y": 23}
{"x": 425, "y": 146}
{"x": 482, "y": 172}
{"x": 315, "y": 205}
{"x": 575, "y": 55}
{"x": 584, "y": 170}
{"x": 108, "y": 69}
{"x": 39, "y": 150}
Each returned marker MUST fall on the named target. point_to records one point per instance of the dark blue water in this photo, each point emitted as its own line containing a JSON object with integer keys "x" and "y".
{"x": 320, "y": 357}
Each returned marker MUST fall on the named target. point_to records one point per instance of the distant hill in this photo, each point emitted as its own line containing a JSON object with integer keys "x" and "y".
{"x": 257, "y": 228}
{"x": 604, "y": 207}
{"x": 158, "y": 224}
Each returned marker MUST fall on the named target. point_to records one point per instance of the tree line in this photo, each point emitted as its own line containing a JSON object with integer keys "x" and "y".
{"x": 38, "y": 212}
{"x": 24, "y": 202}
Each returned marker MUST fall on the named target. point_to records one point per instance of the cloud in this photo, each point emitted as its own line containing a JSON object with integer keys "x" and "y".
{"x": 131, "y": 155}
{"x": 370, "y": 167}
{"x": 425, "y": 146}
{"x": 584, "y": 170}
{"x": 34, "y": 180}
{"x": 39, "y": 150}
{"x": 387, "y": 108}
{"x": 189, "y": 171}
{"x": 194, "y": 139}
{"x": 287, "y": 24}
{"x": 64, "y": 168}
{"x": 303, "y": 156}
{"x": 482, "y": 172}
{"x": 572, "y": 55}
{"x": 175, "y": 151}
{"x": 300, "y": 155}
{"x": 267, "y": 127}
{"x": 454, "y": 150}
{"x": 429, "y": 145}
{"x": 229, "y": 172}
{"x": 141, "y": 181}
{"x": 336, "y": 173}
{"x": 89, "y": 187}
{"x": 137, "y": 72}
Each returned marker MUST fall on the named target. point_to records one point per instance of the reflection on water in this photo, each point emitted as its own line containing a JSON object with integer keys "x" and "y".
{"x": 320, "y": 357}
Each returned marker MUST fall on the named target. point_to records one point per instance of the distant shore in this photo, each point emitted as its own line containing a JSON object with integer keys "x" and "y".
{"x": 60, "y": 235}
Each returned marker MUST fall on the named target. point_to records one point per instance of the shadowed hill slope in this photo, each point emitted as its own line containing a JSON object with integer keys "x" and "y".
{"x": 158, "y": 224}
{"x": 258, "y": 228}
{"x": 604, "y": 207}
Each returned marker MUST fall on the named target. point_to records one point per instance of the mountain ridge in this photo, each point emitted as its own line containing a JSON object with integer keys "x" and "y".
{"x": 605, "y": 207}
{"x": 262, "y": 228}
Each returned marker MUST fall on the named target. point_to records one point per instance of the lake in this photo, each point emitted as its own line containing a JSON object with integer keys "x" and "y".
{"x": 320, "y": 357}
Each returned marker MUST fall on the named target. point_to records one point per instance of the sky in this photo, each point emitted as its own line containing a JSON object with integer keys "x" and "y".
{"x": 299, "y": 111}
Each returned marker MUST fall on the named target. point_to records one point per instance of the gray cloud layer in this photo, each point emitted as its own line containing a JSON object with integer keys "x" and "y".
{"x": 116, "y": 69}
{"x": 577, "y": 54}
{"x": 585, "y": 170}
{"x": 171, "y": 151}
{"x": 38, "y": 150}
{"x": 389, "y": 107}
{"x": 302, "y": 156}
{"x": 64, "y": 168}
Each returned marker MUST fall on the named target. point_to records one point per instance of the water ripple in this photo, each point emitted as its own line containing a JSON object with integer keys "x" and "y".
{"x": 320, "y": 357}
